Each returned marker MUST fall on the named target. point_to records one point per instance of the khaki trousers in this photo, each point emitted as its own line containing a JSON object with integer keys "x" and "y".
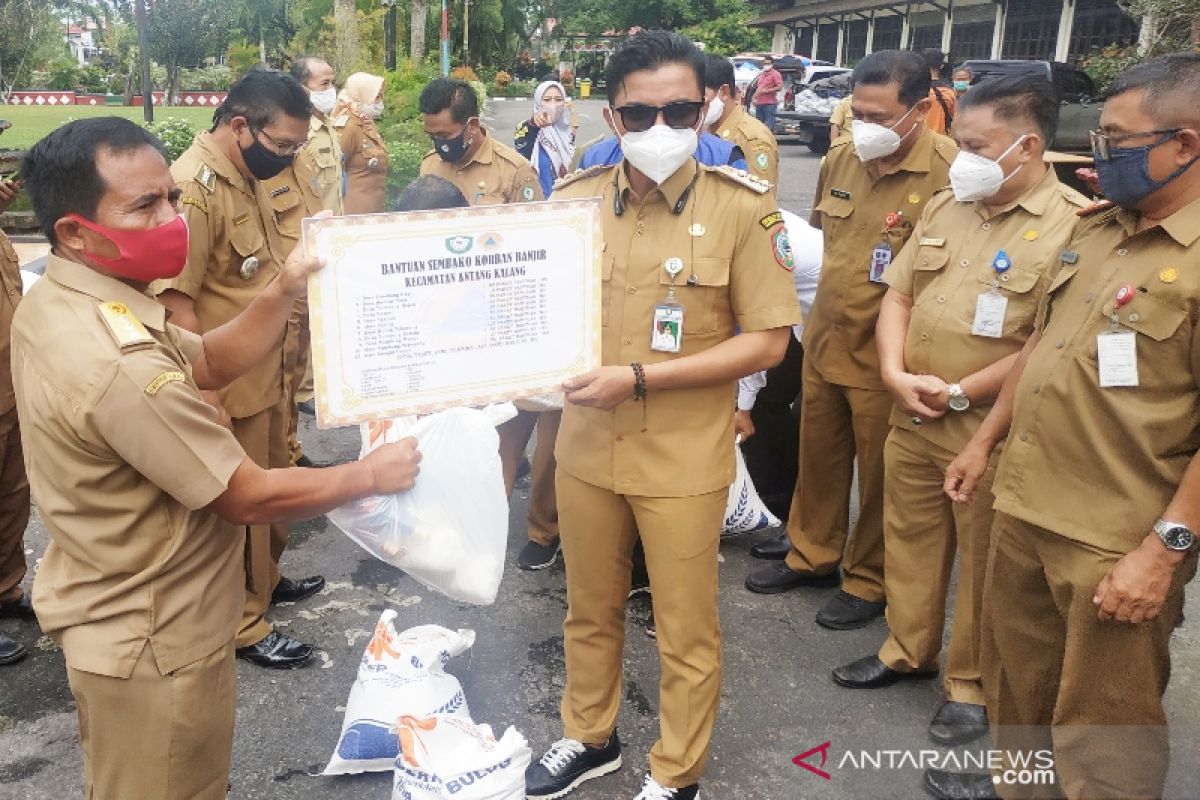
{"x": 922, "y": 529}
{"x": 297, "y": 369}
{"x": 166, "y": 737}
{"x": 1057, "y": 678}
{"x": 14, "y": 508}
{"x": 838, "y": 424}
{"x": 680, "y": 537}
{"x": 264, "y": 438}
{"x": 514, "y": 438}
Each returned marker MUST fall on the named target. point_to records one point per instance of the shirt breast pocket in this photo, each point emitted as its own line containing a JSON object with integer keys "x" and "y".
{"x": 1157, "y": 323}
{"x": 929, "y": 264}
{"x": 327, "y": 163}
{"x": 287, "y": 212}
{"x": 837, "y": 209}
{"x": 703, "y": 290}
{"x": 1017, "y": 286}
{"x": 249, "y": 259}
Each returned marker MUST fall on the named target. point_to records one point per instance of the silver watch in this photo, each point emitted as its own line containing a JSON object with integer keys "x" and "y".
{"x": 957, "y": 398}
{"x": 1175, "y": 536}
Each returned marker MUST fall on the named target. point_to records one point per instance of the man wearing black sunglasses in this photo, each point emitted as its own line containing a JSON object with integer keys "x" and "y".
{"x": 646, "y": 445}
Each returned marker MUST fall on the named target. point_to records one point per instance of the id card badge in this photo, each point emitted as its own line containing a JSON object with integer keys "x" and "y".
{"x": 990, "y": 308}
{"x": 881, "y": 257}
{"x": 1116, "y": 354}
{"x": 667, "y": 333}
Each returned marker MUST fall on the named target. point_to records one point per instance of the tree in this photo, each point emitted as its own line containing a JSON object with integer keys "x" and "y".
{"x": 725, "y": 33}
{"x": 345, "y": 22}
{"x": 185, "y": 32}
{"x": 417, "y": 23}
{"x": 1167, "y": 25}
{"x": 30, "y": 35}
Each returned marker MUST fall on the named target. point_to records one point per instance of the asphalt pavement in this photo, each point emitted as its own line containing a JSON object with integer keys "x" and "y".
{"x": 778, "y": 701}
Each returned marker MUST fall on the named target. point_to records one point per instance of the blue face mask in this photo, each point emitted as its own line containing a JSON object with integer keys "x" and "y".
{"x": 1125, "y": 174}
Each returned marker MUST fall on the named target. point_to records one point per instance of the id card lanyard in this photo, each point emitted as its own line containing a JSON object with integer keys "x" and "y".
{"x": 991, "y": 306}
{"x": 666, "y": 335}
{"x": 881, "y": 255}
{"x": 1116, "y": 348}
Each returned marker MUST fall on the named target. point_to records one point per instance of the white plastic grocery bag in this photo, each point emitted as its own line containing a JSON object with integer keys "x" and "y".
{"x": 451, "y": 758}
{"x": 450, "y": 531}
{"x": 400, "y": 675}
{"x": 745, "y": 511}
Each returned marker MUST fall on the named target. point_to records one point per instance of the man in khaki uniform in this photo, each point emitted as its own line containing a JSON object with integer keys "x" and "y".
{"x": 728, "y": 119}
{"x": 870, "y": 193}
{"x": 14, "y": 487}
{"x": 962, "y": 299}
{"x": 140, "y": 486}
{"x": 323, "y": 151}
{"x": 646, "y": 445}
{"x": 489, "y": 172}
{"x": 1098, "y": 489}
{"x": 231, "y": 259}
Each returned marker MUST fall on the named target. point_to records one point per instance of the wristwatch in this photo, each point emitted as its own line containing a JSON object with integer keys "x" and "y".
{"x": 957, "y": 398}
{"x": 1175, "y": 536}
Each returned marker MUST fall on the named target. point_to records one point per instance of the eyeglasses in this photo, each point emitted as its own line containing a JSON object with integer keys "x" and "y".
{"x": 679, "y": 114}
{"x": 280, "y": 148}
{"x": 1102, "y": 143}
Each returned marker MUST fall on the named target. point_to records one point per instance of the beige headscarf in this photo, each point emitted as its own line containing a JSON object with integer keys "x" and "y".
{"x": 361, "y": 90}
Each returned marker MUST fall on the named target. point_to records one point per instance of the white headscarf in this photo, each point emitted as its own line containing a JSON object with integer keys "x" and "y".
{"x": 554, "y": 139}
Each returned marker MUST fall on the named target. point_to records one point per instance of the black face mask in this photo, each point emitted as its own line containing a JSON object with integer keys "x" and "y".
{"x": 451, "y": 150}
{"x": 262, "y": 162}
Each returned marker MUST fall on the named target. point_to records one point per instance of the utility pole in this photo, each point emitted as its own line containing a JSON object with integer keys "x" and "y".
{"x": 466, "y": 32}
{"x": 445, "y": 39}
{"x": 389, "y": 35}
{"x": 144, "y": 56}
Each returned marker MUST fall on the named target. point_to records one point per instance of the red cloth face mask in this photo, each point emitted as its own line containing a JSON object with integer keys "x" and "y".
{"x": 145, "y": 255}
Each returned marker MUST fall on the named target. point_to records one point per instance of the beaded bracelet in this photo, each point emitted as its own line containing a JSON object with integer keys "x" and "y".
{"x": 639, "y": 381}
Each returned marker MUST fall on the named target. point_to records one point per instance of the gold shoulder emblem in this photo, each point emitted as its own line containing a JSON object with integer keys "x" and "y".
{"x": 195, "y": 202}
{"x": 1096, "y": 208}
{"x": 126, "y": 329}
{"x": 1073, "y": 196}
{"x": 162, "y": 380}
{"x": 206, "y": 177}
{"x": 740, "y": 176}
{"x": 340, "y": 122}
{"x": 579, "y": 174}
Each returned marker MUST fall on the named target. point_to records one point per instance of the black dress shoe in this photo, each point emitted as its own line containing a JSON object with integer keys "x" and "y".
{"x": 276, "y": 651}
{"x": 959, "y": 785}
{"x": 21, "y": 608}
{"x": 844, "y": 612}
{"x": 774, "y": 549}
{"x": 779, "y": 577}
{"x": 11, "y": 651}
{"x": 958, "y": 723}
{"x": 290, "y": 591}
{"x": 871, "y": 673}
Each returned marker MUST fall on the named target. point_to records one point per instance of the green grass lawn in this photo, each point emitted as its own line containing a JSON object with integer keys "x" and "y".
{"x": 30, "y": 123}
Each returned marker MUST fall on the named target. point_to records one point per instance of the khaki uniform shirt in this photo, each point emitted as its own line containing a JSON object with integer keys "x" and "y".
{"x": 731, "y": 239}
{"x": 10, "y": 296}
{"x": 494, "y": 175}
{"x": 852, "y": 204}
{"x": 842, "y": 116}
{"x": 230, "y": 260}
{"x": 757, "y": 142}
{"x": 366, "y": 166}
{"x": 1095, "y": 464}
{"x": 123, "y": 458}
{"x": 290, "y": 196}
{"x": 947, "y": 265}
{"x": 324, "y": 153}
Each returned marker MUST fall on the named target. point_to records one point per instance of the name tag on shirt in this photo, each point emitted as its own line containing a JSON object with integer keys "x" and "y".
{"x": 881, "y": 257}
{"x": 1116, "y": 354}
{"x": 990, "y": 308}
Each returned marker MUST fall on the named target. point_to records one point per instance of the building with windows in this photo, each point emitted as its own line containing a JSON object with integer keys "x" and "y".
{"x": 843, "y": 31}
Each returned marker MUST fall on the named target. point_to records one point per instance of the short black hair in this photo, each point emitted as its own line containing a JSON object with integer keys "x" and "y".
{"x": 60, "y": 171}
{"x": 428, "y": 193}
{"x": 261, "y": 96}
{"x": 1171, "y": 84}
{"x": 718, "y": 72}
{"x": 1024, "y": 96}
{"x": 934, "y": 58}
{"x": 902, "y": 67}
{"x": 458, "y": 96}
{"x": 302, "y": 67}
{"x": 650, "y": 50}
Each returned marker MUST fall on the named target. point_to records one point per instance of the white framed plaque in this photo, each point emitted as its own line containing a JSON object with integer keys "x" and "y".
{"x": 421, "y": 311}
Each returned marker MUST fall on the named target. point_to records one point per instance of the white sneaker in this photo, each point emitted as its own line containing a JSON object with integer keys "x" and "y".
{"x": 652, "y": 791}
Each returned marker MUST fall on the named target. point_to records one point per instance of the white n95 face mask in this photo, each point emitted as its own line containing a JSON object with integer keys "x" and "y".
{"x": 974, "y": 177}
{"x": 872, "y": 141}
{"x": 324, "y": 101}
{"x": 659, "y": 151}
{"x": 715, "y": 109}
